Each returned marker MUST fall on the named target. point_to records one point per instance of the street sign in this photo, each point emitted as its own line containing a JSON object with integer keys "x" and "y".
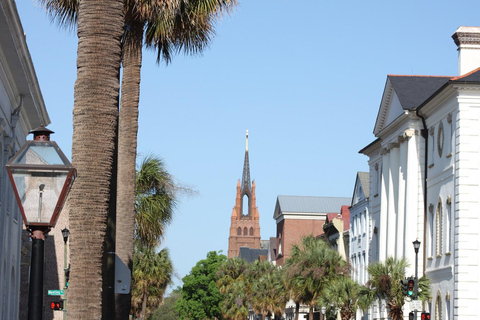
{"x": 416, "y": 305}
{"x": 55, "y": 292}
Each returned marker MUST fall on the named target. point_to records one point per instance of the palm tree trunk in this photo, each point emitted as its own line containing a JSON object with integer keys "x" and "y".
{"x": 100, "y": 28}
{"x": 144, "y": 307}
{"x": 297, "y": 309}
{"x": 127, "y": 151}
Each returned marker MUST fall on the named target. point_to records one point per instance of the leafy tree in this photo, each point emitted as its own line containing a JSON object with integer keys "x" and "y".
{"x": 201, "y": 297}
{"x": 341, "y": 294}
{"x": 311, "y": 268}
{"x": 384, "y": 284}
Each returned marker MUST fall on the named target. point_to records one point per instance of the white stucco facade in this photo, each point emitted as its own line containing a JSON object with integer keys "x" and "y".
{"x": 425, "y": 180}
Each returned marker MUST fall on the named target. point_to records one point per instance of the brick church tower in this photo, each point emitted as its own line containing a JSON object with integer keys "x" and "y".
{"x": 245, "y": 225}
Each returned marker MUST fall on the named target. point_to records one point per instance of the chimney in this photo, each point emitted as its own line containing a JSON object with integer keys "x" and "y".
{"x": 467, "y": 40}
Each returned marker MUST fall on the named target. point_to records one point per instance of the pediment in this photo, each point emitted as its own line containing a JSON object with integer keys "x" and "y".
{"x": 361, "y": 190}
{"x": 390, "y": 108}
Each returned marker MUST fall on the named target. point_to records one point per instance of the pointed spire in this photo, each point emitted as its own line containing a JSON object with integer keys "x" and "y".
{"x": 246, "y": 185}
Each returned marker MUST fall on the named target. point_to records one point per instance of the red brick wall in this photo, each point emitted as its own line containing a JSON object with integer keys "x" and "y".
{"x": 293, "y": 230}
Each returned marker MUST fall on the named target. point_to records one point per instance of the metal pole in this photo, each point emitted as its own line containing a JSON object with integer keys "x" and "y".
{"x": 65, "y": 280}
{"x": 35, "y": 293}
{"x": 416, "y": 279}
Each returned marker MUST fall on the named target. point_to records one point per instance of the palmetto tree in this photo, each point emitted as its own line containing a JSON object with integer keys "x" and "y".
{"x": 384, "y": 284}
{"x": 95, "y": 114}
{"x": 155, "y": 201}
{"x": 231, "y": 282}
{"x": 170, "y": 26}
{"x": 341, "y": 294}
{"x": 151, "y": 276}
{"x": 268, "y": 295}
{"x": 312, "y": 266}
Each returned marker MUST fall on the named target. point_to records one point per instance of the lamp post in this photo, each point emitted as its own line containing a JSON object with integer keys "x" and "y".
{"x": 416, "y": 246}
{"x": 65, "y": 234}
{"x": 324, "y": 309}
{"x": 41, "y": 177}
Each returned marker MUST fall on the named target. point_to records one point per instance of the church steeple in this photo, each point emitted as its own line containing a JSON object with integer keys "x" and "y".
{"x": 246, "y": 184}
{"x": 245, "y": 224}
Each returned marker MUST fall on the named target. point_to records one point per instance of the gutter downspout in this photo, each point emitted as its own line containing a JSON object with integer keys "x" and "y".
{"x": 424, "y": 134}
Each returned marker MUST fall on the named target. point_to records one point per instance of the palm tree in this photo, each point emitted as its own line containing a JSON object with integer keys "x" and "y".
{"x": 155, "y": 201}
{"x": 384, "y": 284}
{"x": 341, "y": 294}
{"x": 95, "y": 114}
{"x": 152, "y": 274}
{"x": 171, "y": 26}
{"x": 230, "y": 279}
{"x": 311, "y": 267}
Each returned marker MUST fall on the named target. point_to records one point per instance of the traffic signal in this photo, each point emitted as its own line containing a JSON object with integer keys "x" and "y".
{"x": 411, "y": 316}
{"x": 404, "y": 285}
{"x": 56, "y": 305}
{"x": 411, "y": 287}
{"x": 425, "y": 316}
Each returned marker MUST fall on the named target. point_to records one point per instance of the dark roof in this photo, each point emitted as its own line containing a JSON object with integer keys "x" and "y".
{"x": 413, "y": 90}
{"x": 473, "y": 76}
{"x": 251, "y": 255}
{"x": 364, "y": 178}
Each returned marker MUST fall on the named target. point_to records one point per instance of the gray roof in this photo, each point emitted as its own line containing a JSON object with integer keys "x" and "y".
{"x": 364, "y": 178}
{"x": 251, "y": 255}
{"x": 310, "y": 204}
{"x": 413, "y": 90}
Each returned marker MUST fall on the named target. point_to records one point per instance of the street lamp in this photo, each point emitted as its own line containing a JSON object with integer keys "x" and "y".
{"x": 324, "y": 309}
{"x": 41, "y": 177}
{"x": 416, "y": 246}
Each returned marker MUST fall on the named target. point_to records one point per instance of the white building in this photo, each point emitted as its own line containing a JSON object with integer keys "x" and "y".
{"x": 425, "y": 179}
{"x": 361, "y": 232}
{"x": 21, "y": 109}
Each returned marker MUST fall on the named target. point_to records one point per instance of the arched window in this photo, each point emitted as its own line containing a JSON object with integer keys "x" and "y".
{"x": 239, "y": 231}
{"x": 251, "y": 231}
{"x": 439, "y": 228}
{"x": 245, "y": 231}
{"x": 245, "y": 201}
{"x": 438, "y": 307}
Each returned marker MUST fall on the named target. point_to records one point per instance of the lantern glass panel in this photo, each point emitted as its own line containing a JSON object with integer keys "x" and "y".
{"x": 39, "y": 191}
{"x": 40, "y": 153}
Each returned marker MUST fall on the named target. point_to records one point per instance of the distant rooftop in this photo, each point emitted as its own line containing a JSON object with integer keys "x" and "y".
{"x": 311, "y": 204}
{"x": 251, "y": 255}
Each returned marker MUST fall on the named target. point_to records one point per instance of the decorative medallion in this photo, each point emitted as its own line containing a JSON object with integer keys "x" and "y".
{"x": 440, "y": 139}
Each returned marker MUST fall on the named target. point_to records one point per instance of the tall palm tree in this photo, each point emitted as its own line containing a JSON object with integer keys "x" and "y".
{"x": 312, "y": 266}
{"x": 95, "y": 114}
{"x": 171, "y": 26}
{"x": 152, "y": 274}
{"x": 384, "y": 284}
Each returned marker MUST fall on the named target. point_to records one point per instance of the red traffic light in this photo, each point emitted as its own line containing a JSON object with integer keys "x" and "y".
{"x": 56, "y": 305}
{"x": 425, "y": 316}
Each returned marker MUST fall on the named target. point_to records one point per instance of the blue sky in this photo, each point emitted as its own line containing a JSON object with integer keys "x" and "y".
{"x": 305, "y": 78}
